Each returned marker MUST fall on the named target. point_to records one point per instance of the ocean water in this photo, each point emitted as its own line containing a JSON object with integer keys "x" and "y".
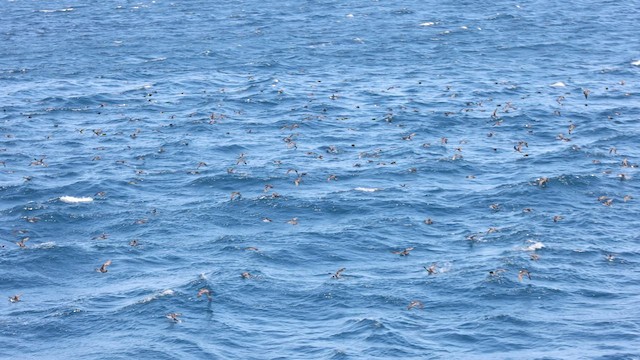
{"x": 146, "y": 133}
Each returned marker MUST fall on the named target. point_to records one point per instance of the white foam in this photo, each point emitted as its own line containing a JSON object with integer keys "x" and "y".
{"x": 156, "y": 59}
{"x": 155, "y": 296}
{"x": 535, "y": 246}
{"x": 558, "y": 84}
{"x": 46, "y": 245}
{"x": 635, "y": 63}
{"x": 75, "y": 200}
{"x": 367, "y": 189}
{"x": 428, "y": 23}
{"x": 56, "y": 10}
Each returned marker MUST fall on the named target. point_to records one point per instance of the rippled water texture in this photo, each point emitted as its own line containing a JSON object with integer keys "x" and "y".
{"x": 471, "y": 166}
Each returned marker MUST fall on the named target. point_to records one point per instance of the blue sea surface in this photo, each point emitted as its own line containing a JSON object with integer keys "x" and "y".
{"x": 348, "y": 179}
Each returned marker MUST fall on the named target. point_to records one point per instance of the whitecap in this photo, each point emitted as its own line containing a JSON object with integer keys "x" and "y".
{"x": 75, "y": 200}
{"x": 445, "y": 268}
{"x": 558, "y": 84}
{"x": 635, "y": 63}
{"x": 367, "y": 189}
{"x": 428, "y": 23}
{"x": 56, "y": 10}
{"x": 155, "y": 296}
{"x": 535, "y": 246}
{"x": 45, "y": 245}
{"x": 156, "y": 59}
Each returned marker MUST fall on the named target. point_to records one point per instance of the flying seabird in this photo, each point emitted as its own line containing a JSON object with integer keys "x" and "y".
{"x": 103, "y": 268}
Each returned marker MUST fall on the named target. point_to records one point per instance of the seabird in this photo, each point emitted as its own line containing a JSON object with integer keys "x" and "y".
{"x": 22, "y": 241}
{"x": 415, "y": 304}
{"x": 174, "y": 317}
{"x": 205, "y": 291}
{"x": 497, "y": 272}
{"x": 338, "y": 274}
{"x": 522, "y": 273}
{"x": 103, "y": 268}
{"x": 409, "y": 137}
{"x": 102, "y": 236}
{"x": 431, "y": 269}
{"x": 404, "y": 252}
{"x": 542, "y": 181}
